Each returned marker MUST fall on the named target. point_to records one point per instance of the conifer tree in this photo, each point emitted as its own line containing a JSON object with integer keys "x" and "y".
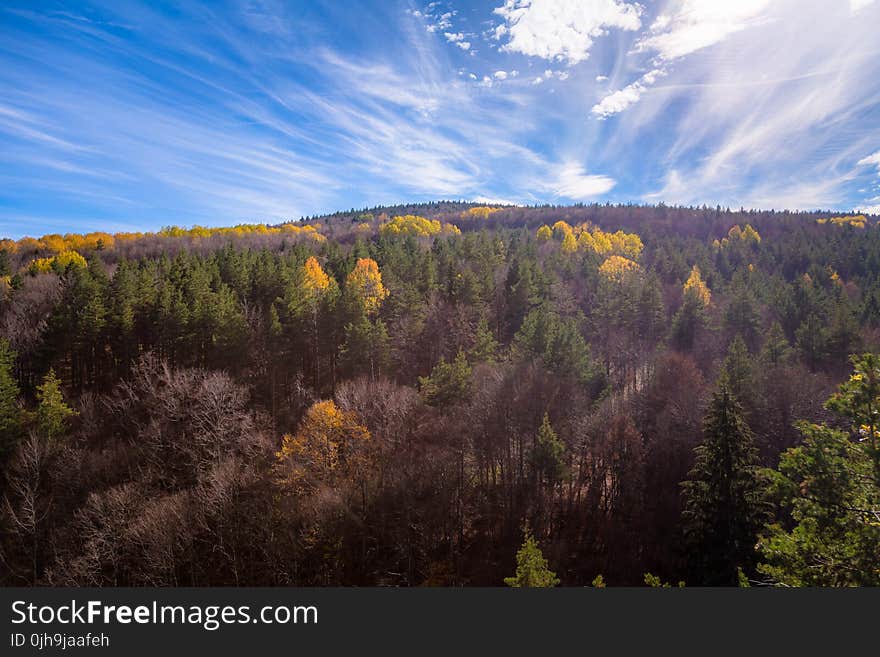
{"x": 10, "y": 413}
{"x": 548, "y": 454}
{"x": 724, "y": 509}
{"x": 448, "y": 382}
{"x": 531, "y": 567}
{"x": 52, "y": 412}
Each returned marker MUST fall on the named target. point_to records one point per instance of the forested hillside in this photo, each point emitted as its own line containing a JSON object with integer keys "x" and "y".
{"x": 408, "y": 395}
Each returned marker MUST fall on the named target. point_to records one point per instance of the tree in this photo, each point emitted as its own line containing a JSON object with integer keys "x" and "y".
{"x": 364, "y": 283}
{"x": 739, "y": 373}
{"x": 531, "y": 567}
{"x": 695, "y": 286}
{"x": 724, "y": 509}
{"x": 812, "y": 340}
{"x": 448, "y": 382}
{"x": 776, "y": 350}
{"x": 829, "y": 487}
{"x": 10, "y": 413}
{"x": 328, "y": 440}
{"x": 485, "y": 345}
{"x": 741, "y": 318}
{"x": 688, "y": 321}
{"x": 52, "y": 412}
{"x": 548, "y": 454}
{"x": 366, "y": 348}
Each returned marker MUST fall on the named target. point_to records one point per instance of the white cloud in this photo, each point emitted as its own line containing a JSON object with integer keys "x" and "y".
{"x": 442, "y": 22}
{"x": 464, "y": 45}
{"x": 869, "y": 209}
{"x": 858, "y": 5}
{"x": 573, "y": 182}
{"x": 601, "y": 78}
{"x": 697, "y": 24}
{"x": 561, "y": 30}
{"x": 500, "y": 75}
{"x": 871, "y": 160}
{"x": 619, "y": 100}
{"x": 689, "y": 26}
{"x": 452, "y": 37}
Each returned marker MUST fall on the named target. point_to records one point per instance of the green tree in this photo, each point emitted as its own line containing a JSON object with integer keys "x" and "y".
{"x": 485, "y": 344}
{"x": 448, "y": 382}
{"x": 366, "y": 349}
{"x": 812, "y": 340}
{"x": 548, "y": 454}
{"x": 531, "y": 567}
{"x": 688, "y": 321}
{"x": 776, "y": 350}
{"x": 10, "y": 412}
{"x": 740, "y": 375}
{"x": 724, "y": 507}
{"x": 52, "y": 412}
{"x": 741, "y": 317}
{"x": 829, "y": 491}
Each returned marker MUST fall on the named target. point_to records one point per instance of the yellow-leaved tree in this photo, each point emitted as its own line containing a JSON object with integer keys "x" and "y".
{"x": 364, "y": 283}
{"x": 696, "y": 286}
{"x": 328, "y": 440}
{"x": 315, "y": 280}
{"x": 617, "y": 269}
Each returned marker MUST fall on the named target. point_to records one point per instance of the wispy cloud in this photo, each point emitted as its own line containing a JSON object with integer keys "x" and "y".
{"x": 250, "y": 110}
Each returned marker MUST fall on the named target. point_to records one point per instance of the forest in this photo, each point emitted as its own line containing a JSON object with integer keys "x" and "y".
{"x": 446, "y": 394}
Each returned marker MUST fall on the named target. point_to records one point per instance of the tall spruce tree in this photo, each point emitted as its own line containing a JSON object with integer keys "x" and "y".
{"x": 724, "y": 507}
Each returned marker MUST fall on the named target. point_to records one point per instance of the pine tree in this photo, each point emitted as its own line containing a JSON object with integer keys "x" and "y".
{"x": 485, "y": 344}
{"x": 548, "y": 454}
{"x": 689, "y": 319}
{"x": 448, "y": 382}
{"x": 776, "y": 350}
{"x": 52, "y": 412}
{"x": 10, "y": 413}
{"x": 531, "y": 567}
{"x": 739, "y": 374}
{"x": 724, "y": 509}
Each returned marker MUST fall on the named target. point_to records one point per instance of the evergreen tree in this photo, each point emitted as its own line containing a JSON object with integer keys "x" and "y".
{"x": 830, "y": 486}
{"x": 485, "y": 344}
{"x": 52, "y": 412}
{"x": 531, "y": 567}
{"x": 741, "y": 317}
{"x": 739, "y": 373}
{"x": 688, "y": 321}
{"x": 812, "y": 341}
{"x": 366, "y": 349}
{"x": 10, "y": 413}
{"x": 548, "y": 454}
{"x": 723, "y": 499}
{"x": 776, "y": 350}
{"x": 448, "y": 382}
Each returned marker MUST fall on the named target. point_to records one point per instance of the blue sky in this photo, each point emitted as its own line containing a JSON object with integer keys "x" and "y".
{"x": 125, "y": 115}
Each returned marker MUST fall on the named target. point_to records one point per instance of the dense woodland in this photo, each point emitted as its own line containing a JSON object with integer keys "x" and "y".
{"x": 445, "y": 394}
